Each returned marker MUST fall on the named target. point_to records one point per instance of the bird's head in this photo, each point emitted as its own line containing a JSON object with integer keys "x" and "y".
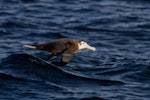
{"x": 84, "y": 45}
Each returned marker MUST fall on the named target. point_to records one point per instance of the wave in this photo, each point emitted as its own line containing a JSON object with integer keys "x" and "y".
{"x": 9, "y": 77}
{"x": 30, "y": 67}
{"x": 15, "y": 1}
{"x": 92, "y": 98}
{"x": 142, "y": 75}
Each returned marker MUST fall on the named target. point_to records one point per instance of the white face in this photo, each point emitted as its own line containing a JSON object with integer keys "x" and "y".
{"x": 83, "y": 45}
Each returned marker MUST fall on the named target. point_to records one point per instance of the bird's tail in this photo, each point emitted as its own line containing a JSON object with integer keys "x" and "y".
{"x": 30, "y": 46}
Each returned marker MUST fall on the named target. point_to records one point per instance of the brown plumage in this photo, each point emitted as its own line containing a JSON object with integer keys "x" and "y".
{"x": 65, "y": 47}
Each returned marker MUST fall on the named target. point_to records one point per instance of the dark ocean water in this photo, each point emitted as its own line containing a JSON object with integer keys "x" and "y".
{"x": 118, "y": 70}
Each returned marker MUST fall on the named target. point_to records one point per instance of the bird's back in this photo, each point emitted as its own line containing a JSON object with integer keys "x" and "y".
{"x": 56, "y": 46}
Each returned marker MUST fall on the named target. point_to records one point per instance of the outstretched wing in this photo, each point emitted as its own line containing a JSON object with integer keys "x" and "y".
{"x": 66, "y": 57}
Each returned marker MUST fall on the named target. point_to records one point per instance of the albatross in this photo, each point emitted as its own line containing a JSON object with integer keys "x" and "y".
{"x": 66, "y": 47}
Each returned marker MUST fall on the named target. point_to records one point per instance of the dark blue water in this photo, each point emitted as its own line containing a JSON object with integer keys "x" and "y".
{"x": 118, "y": 70}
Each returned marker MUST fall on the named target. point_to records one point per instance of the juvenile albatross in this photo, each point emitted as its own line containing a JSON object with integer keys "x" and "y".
{"x": 65, "y": 47}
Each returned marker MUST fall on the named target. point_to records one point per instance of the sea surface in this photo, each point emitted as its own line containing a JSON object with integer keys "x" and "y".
{"x": 118, "y": 70}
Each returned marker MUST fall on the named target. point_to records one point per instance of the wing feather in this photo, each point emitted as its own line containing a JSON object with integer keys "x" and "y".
{"x": 66, "y": 58}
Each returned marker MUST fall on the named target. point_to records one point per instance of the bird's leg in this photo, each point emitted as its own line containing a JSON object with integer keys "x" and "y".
{"x": 62, "y": 63}
{"x": 51, "y": 56}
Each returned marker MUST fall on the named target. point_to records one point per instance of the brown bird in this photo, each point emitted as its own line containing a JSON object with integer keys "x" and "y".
{"x": 66, "y": 47}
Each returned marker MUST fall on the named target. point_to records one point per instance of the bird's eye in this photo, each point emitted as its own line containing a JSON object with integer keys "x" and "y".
{"x": 83, "y": 43}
